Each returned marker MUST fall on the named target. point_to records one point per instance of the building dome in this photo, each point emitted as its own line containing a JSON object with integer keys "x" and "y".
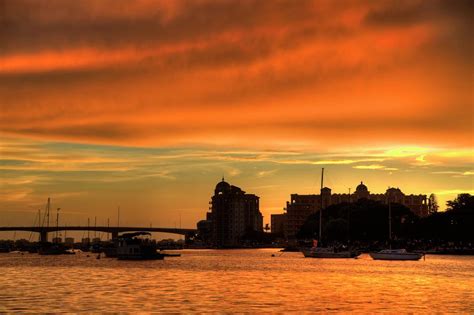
{"x": 222, "y": 187}
{"x": 361, "y": 187}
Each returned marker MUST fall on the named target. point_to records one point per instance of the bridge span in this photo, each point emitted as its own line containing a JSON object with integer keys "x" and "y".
{"x": 43, "y": 231}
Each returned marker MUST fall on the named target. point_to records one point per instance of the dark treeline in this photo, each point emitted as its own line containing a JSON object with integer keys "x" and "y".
{"x": 367, "y": 220}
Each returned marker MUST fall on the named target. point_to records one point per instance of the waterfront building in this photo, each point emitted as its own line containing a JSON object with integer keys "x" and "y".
{"x": 278, "y": 223}
{"x": 233, "y": 214}
{"x": 301, "y": 206}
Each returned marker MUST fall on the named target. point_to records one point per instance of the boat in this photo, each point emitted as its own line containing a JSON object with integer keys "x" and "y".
{"x": 329, "y": 252}
{"x": 131, "y": 246}
{"x": 110, "y": 249}
{"x": 53, "y": 249}
{"x": 395, "y": 254}
{"x": 170, "y": 254}
{"x": 326, "y": 252}
{"x": 290, "y": 248}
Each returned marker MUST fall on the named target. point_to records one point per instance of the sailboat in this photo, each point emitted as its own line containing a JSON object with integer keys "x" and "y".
{"x": 394, "y": 254}
{"x": 326, "y": 252}
{"x": 47, "y": 248}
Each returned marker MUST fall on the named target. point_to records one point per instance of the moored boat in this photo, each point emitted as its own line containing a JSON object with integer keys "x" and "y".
{"x": 131, "y": 246}
{"x": 395, "y": 254}
{"x": 326, "y": 252}
{"x": 53, "y": 249}
{"x": 329, "y": 252}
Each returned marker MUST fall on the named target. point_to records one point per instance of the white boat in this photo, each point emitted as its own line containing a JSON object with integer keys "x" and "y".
{"x": 329, "y": 252}
{"x": 395, "y": 254}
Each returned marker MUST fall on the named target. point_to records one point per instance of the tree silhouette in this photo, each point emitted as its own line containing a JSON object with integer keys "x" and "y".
{"x": 432, "y": 204}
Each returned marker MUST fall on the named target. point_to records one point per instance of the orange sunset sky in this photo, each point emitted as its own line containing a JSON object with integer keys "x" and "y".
{"x": 146, "y": 104}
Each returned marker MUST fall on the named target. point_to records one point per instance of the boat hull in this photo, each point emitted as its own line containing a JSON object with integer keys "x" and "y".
{"x": 395, "y": 256}
{"x": 328, "y": 254}
{"x": 141, "y": 257}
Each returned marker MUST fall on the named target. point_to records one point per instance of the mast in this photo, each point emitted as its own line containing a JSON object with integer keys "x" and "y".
{"x": 47, "y": 212}
{"x": 88, "y": 231}
{"x": 57, "y": 224}
{"x": 349, "y": 219}
{"x": 321, "y": 209}
{"x": 390, "y": 223}
{"x": 118, "y": 216}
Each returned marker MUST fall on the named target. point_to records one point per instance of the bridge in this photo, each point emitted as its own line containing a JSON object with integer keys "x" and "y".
{"x": 43, "y": 231}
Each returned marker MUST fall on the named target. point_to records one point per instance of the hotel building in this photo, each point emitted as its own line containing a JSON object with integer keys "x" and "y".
{"x": 301, "y": 206}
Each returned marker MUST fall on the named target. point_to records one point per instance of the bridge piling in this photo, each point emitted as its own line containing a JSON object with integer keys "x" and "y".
{"x": 43, "y": 236}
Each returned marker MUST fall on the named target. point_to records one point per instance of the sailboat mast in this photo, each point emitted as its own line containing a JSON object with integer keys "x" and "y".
{"x": 47, "y": 212}
{"x": 321, "y": 209}
{"x": 88, "y": 230}
{"x": 57, "y": 224}
{"x": 390, "y": 223}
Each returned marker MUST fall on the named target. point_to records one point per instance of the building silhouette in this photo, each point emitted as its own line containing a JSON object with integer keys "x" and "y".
{"x": 301, "y": 206}
{"x": 278, "y": 223}
{"x": 233, "y": 214}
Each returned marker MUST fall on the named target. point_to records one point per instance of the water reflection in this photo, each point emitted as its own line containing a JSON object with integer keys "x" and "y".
{"x": 234, "y": 281}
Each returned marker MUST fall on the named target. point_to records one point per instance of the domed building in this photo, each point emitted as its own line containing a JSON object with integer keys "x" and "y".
{"x": 301, "y": 206}
{"x": 233, "y": 214}
{"x": 362, "y": 191}
{"x": 222, "y": 187}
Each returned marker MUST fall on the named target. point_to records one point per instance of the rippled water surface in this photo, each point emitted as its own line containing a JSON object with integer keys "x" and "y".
{"x": 234, "y": 281}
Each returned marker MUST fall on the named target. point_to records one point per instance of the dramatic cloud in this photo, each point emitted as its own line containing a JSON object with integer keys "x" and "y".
{"x": 138, "y": 103}
{"x": 290, "y": 74}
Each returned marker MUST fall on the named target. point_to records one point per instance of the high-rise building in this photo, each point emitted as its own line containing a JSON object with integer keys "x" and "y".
{"x": 301, "y": 206}
{"x": 278, "y": 223}
{"x": 233, "y": 214}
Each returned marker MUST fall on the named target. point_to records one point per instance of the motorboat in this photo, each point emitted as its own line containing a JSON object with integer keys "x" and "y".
{"x": 395, "y": 254}
{"x": 133, "y": 246}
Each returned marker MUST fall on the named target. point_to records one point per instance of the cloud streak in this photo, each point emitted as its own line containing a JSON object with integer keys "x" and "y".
{"x": 163, "y": 73}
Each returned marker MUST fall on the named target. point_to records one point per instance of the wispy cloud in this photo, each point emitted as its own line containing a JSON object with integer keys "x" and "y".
{"x": 375, "y": 167}
{"x": 266, "y": 173}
